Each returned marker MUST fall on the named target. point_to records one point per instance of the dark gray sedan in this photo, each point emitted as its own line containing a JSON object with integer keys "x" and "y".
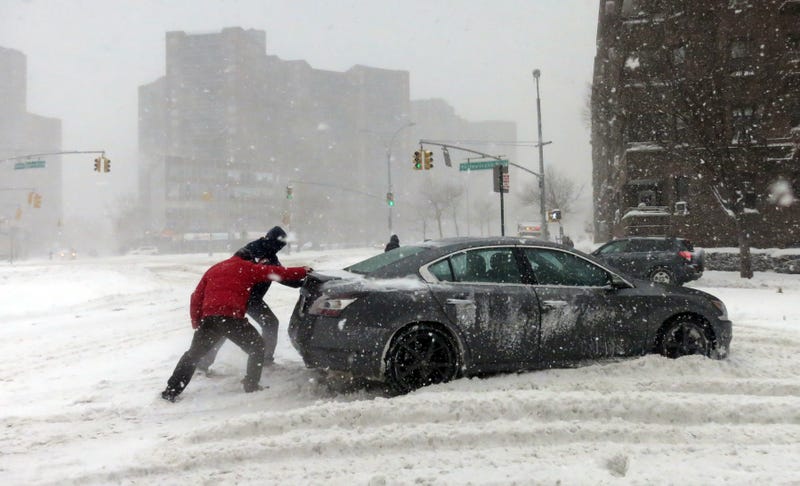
{"x": 435, "y": 311}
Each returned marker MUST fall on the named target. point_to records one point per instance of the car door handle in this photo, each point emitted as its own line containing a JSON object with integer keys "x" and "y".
{"x": 460, "y": 302}
{"x": 548, "y": 305}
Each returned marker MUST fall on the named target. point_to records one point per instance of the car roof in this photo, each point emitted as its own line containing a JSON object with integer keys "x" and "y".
{"x": 438, "y": 248}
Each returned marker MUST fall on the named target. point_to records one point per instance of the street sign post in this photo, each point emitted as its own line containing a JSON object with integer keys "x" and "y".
{"x": 30, "y": 164}
{"x": 482, "y": 165}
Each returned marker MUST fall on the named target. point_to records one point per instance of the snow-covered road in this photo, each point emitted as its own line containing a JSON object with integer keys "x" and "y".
{"x": 87, "y": 345}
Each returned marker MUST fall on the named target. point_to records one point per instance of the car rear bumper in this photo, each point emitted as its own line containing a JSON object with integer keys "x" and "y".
{"x": 688, "y": 273}
{"x": 329, "y": 343}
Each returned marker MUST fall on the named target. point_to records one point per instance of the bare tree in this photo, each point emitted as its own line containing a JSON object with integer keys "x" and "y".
{"x": 561, "y": 192}
{"x": 441, "y": 197}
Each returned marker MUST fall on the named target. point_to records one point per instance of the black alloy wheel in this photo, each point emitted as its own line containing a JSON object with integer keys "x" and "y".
{"x": 662, "y": 275}
{"x": 419, "y": 356}
{"x": 685, "y": 337}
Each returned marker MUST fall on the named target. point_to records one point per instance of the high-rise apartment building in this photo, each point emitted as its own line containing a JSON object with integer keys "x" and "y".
{"x": 229, "y": 128}
{"x": 35, "y": 229}
{"x": 696, "y": 119}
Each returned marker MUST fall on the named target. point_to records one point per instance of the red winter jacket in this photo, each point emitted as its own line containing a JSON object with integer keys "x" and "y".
{"x": 225, "y": 287}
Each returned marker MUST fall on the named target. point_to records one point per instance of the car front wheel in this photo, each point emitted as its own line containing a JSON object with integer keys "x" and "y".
{"x": 419, "y": 356}
{"x": 685, "y": 337}
{"x": 662, "y": 276}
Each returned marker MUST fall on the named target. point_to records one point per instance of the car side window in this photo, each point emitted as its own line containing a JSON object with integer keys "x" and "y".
{"x": 555, "y": 267}
{"x": 493, "y": 265}
{"x": 441, "y": 270}
{"x": 614, "y": 247}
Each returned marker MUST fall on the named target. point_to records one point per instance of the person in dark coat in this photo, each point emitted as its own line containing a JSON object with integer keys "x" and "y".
{"x": 264, "y": 251}
{"x": 394, "y": 242}
{"x": 217, "y": 309}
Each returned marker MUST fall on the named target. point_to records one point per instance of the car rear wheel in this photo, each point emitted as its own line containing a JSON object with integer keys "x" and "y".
{"x": 685, "y": 337}
{"x": 662, "y": 276}
{"x": 419, "y": 356}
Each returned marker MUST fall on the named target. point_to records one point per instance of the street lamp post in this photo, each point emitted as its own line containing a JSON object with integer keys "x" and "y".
{"x": 543, "y": 211}
{"x": 389, "y": 166}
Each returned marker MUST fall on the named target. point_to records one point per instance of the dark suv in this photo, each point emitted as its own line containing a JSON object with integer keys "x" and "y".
{"x": 662, "y": 260}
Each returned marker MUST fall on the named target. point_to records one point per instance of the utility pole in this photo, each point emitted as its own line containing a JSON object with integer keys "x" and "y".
{"x": 545, "y": 233}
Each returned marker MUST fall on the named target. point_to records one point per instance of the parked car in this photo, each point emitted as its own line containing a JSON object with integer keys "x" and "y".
{"x": 663, "y": 260}
{"x": 144, "y": 250}
{"x": 434, "y": 311}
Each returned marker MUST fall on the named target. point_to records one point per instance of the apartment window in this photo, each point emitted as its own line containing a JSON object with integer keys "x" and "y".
{"x": 745, "y": 124}
{"x": 679, "y": 55}
{"x": 794, "y": 114}
{"x": 793, "y": 42}
{"x": 681, "y": 188}
{"x": 631, "y": 8}
{"x": 748, "y": 195}
{"x": 741, "y": 48}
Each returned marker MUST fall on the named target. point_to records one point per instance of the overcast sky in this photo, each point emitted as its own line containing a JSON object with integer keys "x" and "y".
{"x": 86, "y": 59}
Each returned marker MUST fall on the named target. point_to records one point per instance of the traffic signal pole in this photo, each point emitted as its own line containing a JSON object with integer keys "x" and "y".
{"x": 545, "y": 233}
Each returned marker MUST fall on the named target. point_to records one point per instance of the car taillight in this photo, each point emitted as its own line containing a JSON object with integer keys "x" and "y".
{"x": 330, "y": 307}
{"x": 687, "y": 255}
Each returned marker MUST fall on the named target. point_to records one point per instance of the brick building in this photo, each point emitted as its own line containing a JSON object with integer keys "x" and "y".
{"x": 696, "y": 119}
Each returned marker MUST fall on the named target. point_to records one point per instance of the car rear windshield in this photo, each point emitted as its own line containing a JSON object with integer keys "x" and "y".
{"x": 377, "y": 262}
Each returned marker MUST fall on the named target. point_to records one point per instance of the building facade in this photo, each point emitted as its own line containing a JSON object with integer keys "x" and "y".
{"x": 696, "y": 119}
{"x": 229, "y": 129}
{"x": 31, "y": 204}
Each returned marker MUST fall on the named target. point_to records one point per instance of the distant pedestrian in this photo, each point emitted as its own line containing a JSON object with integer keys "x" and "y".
{"x": 265, "y": 251}
{"x": 567, "y": 241}
{"x": 394, "y": 243}
{"x": 217, "y": 309}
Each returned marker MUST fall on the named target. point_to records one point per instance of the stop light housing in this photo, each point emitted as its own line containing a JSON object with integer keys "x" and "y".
{"x": 289, "y": 192}
{"x": 106, "y": 165}
{"x": 418, "y": 160}
{"x": 390, "y": 199}
{"x": 97, "y": 163}
{"x": 37, "y": 200}
{"x": 428, "y": 162}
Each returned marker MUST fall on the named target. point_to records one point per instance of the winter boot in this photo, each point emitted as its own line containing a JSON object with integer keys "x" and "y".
{"x": 169, "y": 395}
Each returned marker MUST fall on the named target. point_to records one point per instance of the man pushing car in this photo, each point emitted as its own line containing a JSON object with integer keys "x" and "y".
{"x": 217, "y": 310}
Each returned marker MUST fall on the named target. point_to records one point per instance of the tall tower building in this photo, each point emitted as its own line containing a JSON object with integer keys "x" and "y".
{"x": 33, "y": 221}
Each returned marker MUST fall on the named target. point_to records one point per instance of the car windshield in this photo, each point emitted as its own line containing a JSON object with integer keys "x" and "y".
{"x": 377, "y": 262}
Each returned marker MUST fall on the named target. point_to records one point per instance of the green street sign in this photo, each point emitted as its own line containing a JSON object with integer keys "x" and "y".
{"x": 29, "y": 164}
{"x": 483, "y": 165}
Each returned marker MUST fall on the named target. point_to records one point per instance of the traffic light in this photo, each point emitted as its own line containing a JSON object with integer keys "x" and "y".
{"x": 97, "y": 163}
{"x": 428, "y": 159}
{"x": 30, "y": 198}
{"x": 390, "y": 199}
{"x": 418, "y": 160}
{"x": 289, "y": 191}
{"x": 106, "y": 165}
{"x": 554, "y": 215}
{"x": 37, "y": 200}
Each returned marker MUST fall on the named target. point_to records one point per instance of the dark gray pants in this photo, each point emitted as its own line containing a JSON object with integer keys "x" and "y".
{"x": 212, "y": 330}
{"x": 266, "y": 319}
